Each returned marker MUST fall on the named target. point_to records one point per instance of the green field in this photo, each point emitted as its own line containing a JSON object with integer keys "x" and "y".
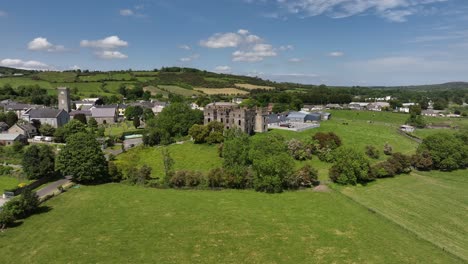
{"x": 178, "y": 90}
{"x": 115, "y": 223}
{"x": 57, "y": 76}
{"x": 434, "y": 205}
{"x": 187, "y": 156}
{"x": 8, "y": 182}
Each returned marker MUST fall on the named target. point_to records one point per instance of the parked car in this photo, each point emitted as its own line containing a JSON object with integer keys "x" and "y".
{"x": 48, "y": 139}
{"x": 38, "y": 138}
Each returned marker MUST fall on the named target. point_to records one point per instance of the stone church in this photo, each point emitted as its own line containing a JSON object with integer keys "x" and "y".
{"x": 232, "y": 115}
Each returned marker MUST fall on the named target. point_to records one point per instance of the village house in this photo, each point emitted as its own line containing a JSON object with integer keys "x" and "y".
{"x": 333, "y": 106}
{"x": 23, "y": 128}
{"x": 54, "y": 117}
{"x": 105, "y": 114}
{"x": 378, "y": 106}
{"x": 232, "y": 115}
{"x": 86, "y": 113}
{"x": 10, "y": 139}
{"x": 85, "y": 104}
{"x": 358, "y": 105}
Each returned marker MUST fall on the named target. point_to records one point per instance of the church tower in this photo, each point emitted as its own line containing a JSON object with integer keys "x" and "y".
{"x": 64, "y": 99}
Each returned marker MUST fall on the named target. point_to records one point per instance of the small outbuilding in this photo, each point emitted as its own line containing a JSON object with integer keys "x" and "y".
{"x": 10, "y": 139}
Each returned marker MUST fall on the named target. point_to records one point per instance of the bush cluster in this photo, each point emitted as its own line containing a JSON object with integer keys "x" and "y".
{"x": 394, "y": 165}
{"x": 19, "y": 208}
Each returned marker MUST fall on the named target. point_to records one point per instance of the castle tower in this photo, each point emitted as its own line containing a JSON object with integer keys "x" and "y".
{"x": 64, "y": 99}
{"x": 261, "y": 122}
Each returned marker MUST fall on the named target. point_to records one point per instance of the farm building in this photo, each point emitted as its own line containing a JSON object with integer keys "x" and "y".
{"x": 10, "y": 139}
{"x": 302, "y": 117}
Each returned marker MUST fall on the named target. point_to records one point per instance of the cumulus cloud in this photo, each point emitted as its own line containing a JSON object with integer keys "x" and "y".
{"x": 42, "y": 44}
{"x": 111, "y": 42}
{"x": 110, "y": 54}
{"x": 223, "y": 69}
{"x": 392, "y": 10}
{"x": 75, "y": 67}
{"x": 250, "y": 47}
{"x": 190, "y": 58}
{"x": 336, "y": 54}
{"x": 26, "y": 65}
{"x": 257, "y": 53}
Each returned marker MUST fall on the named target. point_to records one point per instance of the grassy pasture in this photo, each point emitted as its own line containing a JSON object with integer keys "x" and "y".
{"x": 225, "y": 91}
{"x": 155, "y": 90}
{"x": 57, "y": 76}
{"x": 18, "y": 81}
{"x": 434, "y": 205}
{"x": 178, "y": 90}
{"x": 187, "y": 156}
{"x": 252, "y": 87}
{"x": 116, "y": 223}
{"x": 8, "y": 182}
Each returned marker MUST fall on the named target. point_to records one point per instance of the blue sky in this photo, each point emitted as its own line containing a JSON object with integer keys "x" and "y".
{"x": 335, "y": 42}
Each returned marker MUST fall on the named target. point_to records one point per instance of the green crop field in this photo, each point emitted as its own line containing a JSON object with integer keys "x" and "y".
{"x": 434, "y": 205}
{"x": 18, "y": 81}
{"x": 187, "y": 156}
{"x": 178, "y": 90}
{"x": 115, "y": 223}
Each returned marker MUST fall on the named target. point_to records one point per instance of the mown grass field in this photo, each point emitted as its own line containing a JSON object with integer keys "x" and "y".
{"x": 115, "y": 223}
{"x": 8, "y": 182}
{"x": 226, "y": 91}
{"x": 187, "y": 156}
{"x": 434, "y": 205}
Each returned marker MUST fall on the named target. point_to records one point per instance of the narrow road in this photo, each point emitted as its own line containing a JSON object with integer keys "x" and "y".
{"x": 52, "y": 187}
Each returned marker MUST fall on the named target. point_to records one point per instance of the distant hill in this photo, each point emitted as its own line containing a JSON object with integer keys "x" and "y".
{"x": 442, "y": 86}
{"x": 11, "y": 71}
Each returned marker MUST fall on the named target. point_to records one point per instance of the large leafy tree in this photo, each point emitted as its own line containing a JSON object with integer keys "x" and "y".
{"x": 47, "y": 130}
{"x": 178, "y": 118}
{"x": 74, "y": 126}
{"x": 11, "y": 118}
{"x": 271, "y": 163}
{"x": 83, "y": 159}
{"x": 38, "y": 161}
{"x": 350, "y": 167}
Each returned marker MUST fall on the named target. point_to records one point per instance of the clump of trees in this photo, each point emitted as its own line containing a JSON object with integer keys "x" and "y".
{"x": 173, "y": 122}
{"x": 372, "y": 152}
{"x": 350, "y": 167}
{"x": 38, "y": 161}
{"x": 396, "y": 164}
{"x": 299, "y": 150}
{"x": 325, "y": 144}
{"x": 19, "y": 208}
{"x": 211, "y": 133}
{"x": 442, "y": 151}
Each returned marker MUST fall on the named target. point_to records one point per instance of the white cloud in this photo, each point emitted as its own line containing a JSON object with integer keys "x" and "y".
{"x": 75, "y": 67}
{"x": 126, "y": 12}
{"x": 27, "y": 65}
{"x": 336, "y": 54}
{"x": 223, "y": 40}
{"x": 286, "y": 47}
{"x": 185, "y": 47}
{"x": 110, "y": 54}
{"x": 190, "y": 58}
{"x": 257, "y": 53}
{"x": 393, "y": 10}
{"x": 111, "y": 42}
{"x": 42, "y": 44}
{"x": 295, "y": 60}
{"x": 251, "y": 48}
{"x": 223, "y": 69}
{"x": 3, "y": 13}
{"x": 243, "y": 31}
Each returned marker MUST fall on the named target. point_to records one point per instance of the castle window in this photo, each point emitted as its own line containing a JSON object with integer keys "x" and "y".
{"x": 239, "y": 122}
{"x": 222, "y": 120}
{"x": 209, "y": 120}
